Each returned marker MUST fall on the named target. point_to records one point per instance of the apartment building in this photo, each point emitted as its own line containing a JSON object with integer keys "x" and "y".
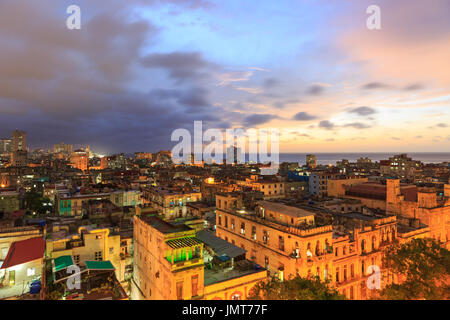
{"x": 172, "y": 263}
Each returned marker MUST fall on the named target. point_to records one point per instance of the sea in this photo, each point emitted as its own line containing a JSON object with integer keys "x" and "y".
{"x": 332, "y": 158}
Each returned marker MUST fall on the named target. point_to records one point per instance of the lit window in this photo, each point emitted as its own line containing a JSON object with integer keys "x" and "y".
{"x": 31, "y": 272}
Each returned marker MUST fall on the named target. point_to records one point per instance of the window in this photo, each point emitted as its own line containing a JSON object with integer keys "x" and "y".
{"x": 98, "y": 256}
{"x": 281, "y": 243}
{"x": 76, "y": 259}
{"x": 194, "y": 281}
{"x": 226, "y": 221}
{"x": 31, "y": 272}
{"x": 265, "y": 237}
{"x": 254, "y": 233}
{"x": 220, "y": 219}
{"x": 352, "y": 270}
{"x": 243, "y": 228}
{"x": 232, "y": 224}
{"x": 111, "y": 250}
{"x": 180, "y": 290}
{"x": 337, "y": 274}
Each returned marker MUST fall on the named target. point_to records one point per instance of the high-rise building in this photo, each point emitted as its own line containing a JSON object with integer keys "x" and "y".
{"x": 79, "y": 159}
{"x": 62, "y": 148}
{"x": 311, "y": 160}
{"x": 19, "y": 148}
{"x": 5, "y": 147}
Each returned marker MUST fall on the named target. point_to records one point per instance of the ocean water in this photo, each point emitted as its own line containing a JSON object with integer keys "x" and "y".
{"x": 327, "y": 158}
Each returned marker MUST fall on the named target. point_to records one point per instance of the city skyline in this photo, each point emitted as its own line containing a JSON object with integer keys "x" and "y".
{"x": 137, "y": 71}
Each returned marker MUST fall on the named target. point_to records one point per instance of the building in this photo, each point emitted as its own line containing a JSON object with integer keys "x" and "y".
{"x": 170, "y": 203}
{"x": 143, "y": 156}
{"x": 271, "y": 188}
{"x": 91, "y": 244}
{"x": 63, "y": 148}
{"x": 9, "y": 201}
{"x": 79, "y": 159}
{"x": 318, "y": 183}
{"x": 335, "y": 187}
{"x": 19, "y": 152}
{"x": 290, "y": 241}
{"x": 68, "y": 204}
{"x": 400, "y": 166}
{"x": 172, "y": 263}
{"x": 126, "y": 198}
{"x": 311, "y": 161}
{"x": 5, "y": 147}
{"x": 22, "y": 266}
{"x": 97, "y": 280}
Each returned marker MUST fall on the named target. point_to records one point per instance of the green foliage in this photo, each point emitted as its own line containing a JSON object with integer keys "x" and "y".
{"x": 423, "y": 266}
{"x": 34, "y": 202}
{"x": 294, "y": 289}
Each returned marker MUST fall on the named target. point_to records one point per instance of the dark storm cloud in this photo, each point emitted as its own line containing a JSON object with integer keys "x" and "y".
{"x": 257, "y": 119}
{"x": 304, "y": 116}
{"x": 363, "y": 111}
{"x": 77, "y": 86}
{"x": 181, "y": 66}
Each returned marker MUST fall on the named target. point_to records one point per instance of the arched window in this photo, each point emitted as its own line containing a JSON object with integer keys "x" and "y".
{"x": 363, "y": 243}
{"x": 373, "y": 243}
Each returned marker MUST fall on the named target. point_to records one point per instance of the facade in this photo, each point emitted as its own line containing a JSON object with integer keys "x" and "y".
{"x": 170, "y": 203}
{"x": 318, "y": 183}
{"x": 79, "y": 159}
{"x": 63, "y": 148}
{"x": 22, "y": 265}
{"x": 311, "y": 161}
{"x": 400, "y": 166}
{"x": 5, "y": 147}
{"x": 91, "y": 244}
{"x": 171, "y": 263}
{"x": 288, "y": 241}
{"x": 73, "y": 205}
{"x": 9, "y": 201}
{"x": 130, "y": 198}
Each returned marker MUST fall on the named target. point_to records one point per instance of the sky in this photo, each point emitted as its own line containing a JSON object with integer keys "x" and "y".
{"x": 139, "y": 69}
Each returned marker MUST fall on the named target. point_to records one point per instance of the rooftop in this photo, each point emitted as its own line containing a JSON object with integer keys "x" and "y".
{"x": 24, "y": 251}
{"x": 284, "y": 209}
{"x": 164, "y": 226}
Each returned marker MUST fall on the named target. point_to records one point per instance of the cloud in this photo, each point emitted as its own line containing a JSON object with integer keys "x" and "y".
{"x": 375, "y": 85}
{"x": 357, "y": 125}
{"x": 181, "y": 66}
{"x": 325, "y": 124}
{"x": 271, "y": 83}
{"x": 414, "y": 87}
{"x": 315, "y": 90}
{"x": 258, "y": 118}
{"x": 363, "y": 111}
{"x": 304, "y": 116}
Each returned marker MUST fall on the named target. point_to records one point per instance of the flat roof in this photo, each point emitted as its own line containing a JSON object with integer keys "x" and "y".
{"x": 164, "y": 226}
{"x": 218, "y": 245}
{"x": 284, "y": 209}
{"x": 183, "y": 242}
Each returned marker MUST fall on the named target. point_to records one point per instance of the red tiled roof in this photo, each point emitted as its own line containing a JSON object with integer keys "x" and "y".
{"x": 24, "y": 251}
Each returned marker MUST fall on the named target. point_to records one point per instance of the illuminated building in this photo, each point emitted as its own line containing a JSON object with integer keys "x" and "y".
{"x": 311, "y": 161}
{"x": 172, "y": 263}
{"x": 79, "y": 159}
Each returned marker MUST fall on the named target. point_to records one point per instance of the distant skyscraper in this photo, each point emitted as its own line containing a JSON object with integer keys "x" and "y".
{"x": 5, "y": 146}
{"x": 62, "y": 148}
{"x": 19, "y": 148}
{"x": 311, "y": 161}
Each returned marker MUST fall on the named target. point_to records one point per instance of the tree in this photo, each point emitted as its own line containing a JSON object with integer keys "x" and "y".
{"x": 423, "y": 269}
{"x": 294, "y": 289}
{"x": 34, "y": 202}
